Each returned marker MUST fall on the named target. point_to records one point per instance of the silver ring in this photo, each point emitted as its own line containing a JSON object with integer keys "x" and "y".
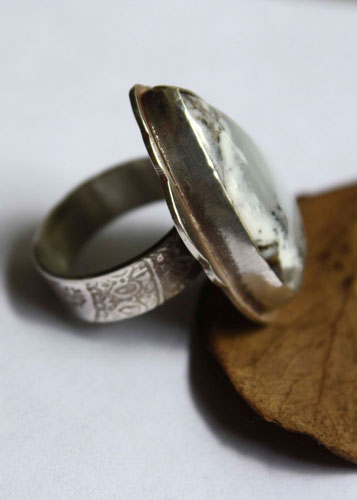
{"x": 229, "y": 217}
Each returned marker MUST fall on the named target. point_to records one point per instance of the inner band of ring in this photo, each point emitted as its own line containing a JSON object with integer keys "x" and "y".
{"x": 131, "y": 289}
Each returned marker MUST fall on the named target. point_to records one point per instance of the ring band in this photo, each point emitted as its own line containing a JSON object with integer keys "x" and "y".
{"x": 136, "y": 286}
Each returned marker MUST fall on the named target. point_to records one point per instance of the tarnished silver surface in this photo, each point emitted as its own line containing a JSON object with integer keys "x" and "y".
{"x": 229, "y": 216}
{"x": 224, "y": 203}
{"x": 131, "y": 289}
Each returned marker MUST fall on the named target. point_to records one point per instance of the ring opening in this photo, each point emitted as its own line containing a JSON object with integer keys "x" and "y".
{"x": 87, "y": 209}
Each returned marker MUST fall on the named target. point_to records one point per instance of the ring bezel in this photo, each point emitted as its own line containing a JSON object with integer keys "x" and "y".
{"x": 202, "y": 212}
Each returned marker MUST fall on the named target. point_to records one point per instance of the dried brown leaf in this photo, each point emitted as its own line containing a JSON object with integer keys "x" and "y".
{"x": 301, "y": 371}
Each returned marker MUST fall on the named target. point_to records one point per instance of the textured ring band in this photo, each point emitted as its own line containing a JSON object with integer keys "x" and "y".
{"x": 132, "y": 288}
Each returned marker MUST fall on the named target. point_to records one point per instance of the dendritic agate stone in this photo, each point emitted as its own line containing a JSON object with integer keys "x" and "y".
{"x": 270, "y": 217}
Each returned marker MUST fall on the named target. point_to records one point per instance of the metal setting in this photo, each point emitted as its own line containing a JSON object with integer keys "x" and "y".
{"x": 204, "y": 215}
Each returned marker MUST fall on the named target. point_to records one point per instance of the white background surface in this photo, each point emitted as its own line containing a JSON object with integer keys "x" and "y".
{"x": 135, "y": 410}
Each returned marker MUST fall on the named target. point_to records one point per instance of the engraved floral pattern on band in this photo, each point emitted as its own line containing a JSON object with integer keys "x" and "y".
{"x": 133, "y": 290}
{"x": 129, "y": 292}
{"x": 71, "y": 295}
